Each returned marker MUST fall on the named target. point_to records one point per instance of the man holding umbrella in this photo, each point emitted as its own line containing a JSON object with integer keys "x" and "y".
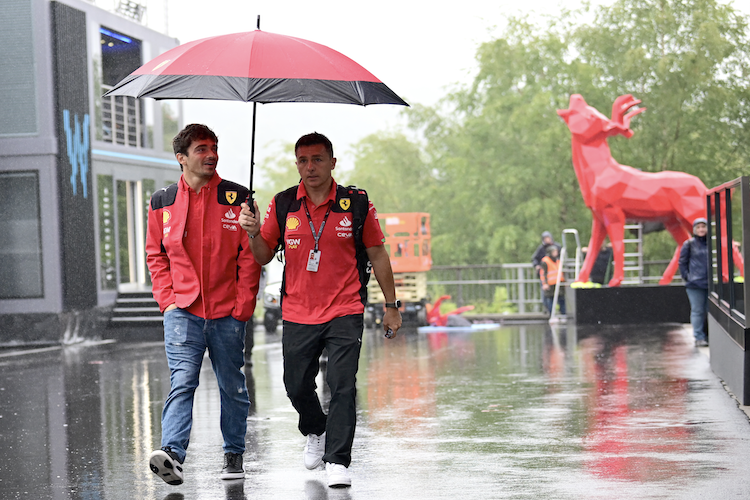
{"x": 327, "y": 232}
{"x": 205, "y": 281}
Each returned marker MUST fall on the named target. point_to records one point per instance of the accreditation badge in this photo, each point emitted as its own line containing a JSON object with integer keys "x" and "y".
{"x": 313, "y": 261}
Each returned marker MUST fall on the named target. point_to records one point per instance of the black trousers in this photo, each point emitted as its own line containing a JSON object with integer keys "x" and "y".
{"x": 302, "y": 347}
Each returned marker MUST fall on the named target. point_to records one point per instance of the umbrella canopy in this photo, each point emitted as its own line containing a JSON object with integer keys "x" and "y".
{"x": 256, "y": 66}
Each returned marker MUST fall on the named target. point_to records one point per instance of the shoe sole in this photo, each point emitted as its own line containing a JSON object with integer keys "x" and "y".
{"x": 233, "y": 475}
{"x": 168, "y": 470}
{"x": 339, "y": 482}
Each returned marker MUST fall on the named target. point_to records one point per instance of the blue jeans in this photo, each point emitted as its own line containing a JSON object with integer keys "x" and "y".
{"x": 698, "y": 298}
{"x": 560, "y": 301}
{"x": 186, "y": 338}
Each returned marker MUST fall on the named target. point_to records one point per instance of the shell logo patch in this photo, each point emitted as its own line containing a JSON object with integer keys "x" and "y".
{"x": 345, "y": 203}
{"x": 231, "y": 196}
{"x": 166, "y": 216}
{"x": 293, "y": 223}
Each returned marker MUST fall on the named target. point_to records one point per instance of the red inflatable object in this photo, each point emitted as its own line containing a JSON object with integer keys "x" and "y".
{"x": 618, "y": 193}
{"x": 436, "y": 318}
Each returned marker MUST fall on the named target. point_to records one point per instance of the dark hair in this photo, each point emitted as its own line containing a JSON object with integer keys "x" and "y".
{"x": 192, "y": 132}
{"x": 313, "y": 140}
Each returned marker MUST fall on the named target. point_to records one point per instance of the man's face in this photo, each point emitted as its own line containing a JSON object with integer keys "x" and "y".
{"x": 314, "y": 165}
{"x": 201, "y": 158}
{"x": 700, "y": 229}
{"x": 547, "y": 240}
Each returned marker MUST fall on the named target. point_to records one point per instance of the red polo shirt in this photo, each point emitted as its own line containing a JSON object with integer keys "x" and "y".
{"x": 318, "y": 297}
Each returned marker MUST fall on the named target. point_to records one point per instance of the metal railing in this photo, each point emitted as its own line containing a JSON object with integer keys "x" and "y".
{"x": 478, "y": 284}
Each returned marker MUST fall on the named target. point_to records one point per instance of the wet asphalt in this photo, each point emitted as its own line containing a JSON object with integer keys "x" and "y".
{"x": 518, "y": 412}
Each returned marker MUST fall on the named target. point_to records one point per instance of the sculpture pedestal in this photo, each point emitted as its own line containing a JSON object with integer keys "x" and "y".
{"x": 626, "y": 305}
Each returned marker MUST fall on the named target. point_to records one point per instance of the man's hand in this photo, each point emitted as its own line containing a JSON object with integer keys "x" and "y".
{"x": 249, "y": 221}
{"x": 170, "y": 307}
{"x": 392, "y": 321}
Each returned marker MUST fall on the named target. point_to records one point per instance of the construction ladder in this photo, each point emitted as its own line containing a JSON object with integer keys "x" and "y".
{"x": 633, "y": 255}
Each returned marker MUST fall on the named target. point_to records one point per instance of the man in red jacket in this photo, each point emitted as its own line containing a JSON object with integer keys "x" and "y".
{"x": 205, "y": 281}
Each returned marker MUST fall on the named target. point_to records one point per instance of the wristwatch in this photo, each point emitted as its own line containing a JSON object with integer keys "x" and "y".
{"x": 394, "y": 305}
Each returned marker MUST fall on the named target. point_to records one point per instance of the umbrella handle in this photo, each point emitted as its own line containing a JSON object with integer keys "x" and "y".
{"x": 249, "y": 200}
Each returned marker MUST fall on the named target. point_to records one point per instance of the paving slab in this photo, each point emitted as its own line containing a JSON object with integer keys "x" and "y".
{"x": 521, "y": 411}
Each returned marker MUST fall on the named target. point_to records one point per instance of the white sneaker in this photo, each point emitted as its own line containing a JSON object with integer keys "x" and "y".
{"x": 338, "y": 476}
{"x": 314, "y": 450}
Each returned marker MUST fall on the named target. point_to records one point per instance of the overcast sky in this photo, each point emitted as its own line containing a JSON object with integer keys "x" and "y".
{"x": 419, "y": 49}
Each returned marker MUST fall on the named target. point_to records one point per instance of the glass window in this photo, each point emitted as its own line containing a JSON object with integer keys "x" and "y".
{"x": 107, "y": 250}
{"x": 148, "y": 186}
{"x": 122, "y": 118}
{"x": 20, "y": 245}
{"x": 17, "y": 79}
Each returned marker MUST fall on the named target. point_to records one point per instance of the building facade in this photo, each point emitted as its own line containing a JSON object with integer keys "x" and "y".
{"x": 76, "y": 170}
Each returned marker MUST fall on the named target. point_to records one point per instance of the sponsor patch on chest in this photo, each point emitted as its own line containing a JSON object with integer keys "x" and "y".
{"x": 293, "y": 223}
{"x": 344, "y": 227}
{"x": 293, "y": 243}
{"x": 229, "y": 221}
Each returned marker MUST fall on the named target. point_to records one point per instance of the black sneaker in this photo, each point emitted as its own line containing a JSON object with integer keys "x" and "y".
{"x": 165, "y": 464}
{"x": 232, "y": 466}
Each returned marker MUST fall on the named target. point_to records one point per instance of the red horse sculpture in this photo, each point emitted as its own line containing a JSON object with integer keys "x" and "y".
{"x": 618, "y": 193}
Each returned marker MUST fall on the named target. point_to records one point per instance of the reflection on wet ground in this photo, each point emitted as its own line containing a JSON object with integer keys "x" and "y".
{"x": 517, "y": 412}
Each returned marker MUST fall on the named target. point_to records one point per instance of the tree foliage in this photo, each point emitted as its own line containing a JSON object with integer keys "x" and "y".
{"x": 493, "y": 162}
{"x": 279, "y": 172}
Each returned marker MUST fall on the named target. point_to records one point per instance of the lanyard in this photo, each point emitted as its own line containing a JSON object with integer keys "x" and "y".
{"x": 312, "y": 227}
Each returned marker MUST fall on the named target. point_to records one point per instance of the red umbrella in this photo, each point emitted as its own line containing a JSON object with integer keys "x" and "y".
{"x": 257, "y": 67}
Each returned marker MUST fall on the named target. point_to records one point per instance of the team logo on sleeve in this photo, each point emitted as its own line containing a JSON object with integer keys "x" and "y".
{"x": 293, "y": 223}
{"x": 345, "y": 203}
{"x": 231, "y": 196}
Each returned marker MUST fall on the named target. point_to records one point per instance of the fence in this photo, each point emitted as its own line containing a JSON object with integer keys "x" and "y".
{"x": 518, "y": 283}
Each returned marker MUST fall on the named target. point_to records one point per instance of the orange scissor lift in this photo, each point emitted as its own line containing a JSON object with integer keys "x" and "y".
{"x": 407, "y": 241}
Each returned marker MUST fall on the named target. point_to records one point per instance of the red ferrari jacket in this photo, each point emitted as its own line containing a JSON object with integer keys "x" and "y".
{"x": 225, "y": 275}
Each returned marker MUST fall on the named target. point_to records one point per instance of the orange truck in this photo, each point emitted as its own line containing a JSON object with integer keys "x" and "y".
{"x": 407, "y": 241}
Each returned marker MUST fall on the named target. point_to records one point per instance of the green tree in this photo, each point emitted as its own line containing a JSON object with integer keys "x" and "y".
{"x": 495, "y": 165}
{"x": 277, "y": 173}
{"x": 391, "y": 169}
{"x": 688, "y": 62}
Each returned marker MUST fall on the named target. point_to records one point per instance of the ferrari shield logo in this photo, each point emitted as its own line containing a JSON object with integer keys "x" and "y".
{"x": 231, "y": 196}
{"x": 345, "y": 203}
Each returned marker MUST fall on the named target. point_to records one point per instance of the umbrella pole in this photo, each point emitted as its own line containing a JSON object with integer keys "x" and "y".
{"x": 249, "y": 200}
{"x": 252, "y": 159}
{"x": 252, "y": 151}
